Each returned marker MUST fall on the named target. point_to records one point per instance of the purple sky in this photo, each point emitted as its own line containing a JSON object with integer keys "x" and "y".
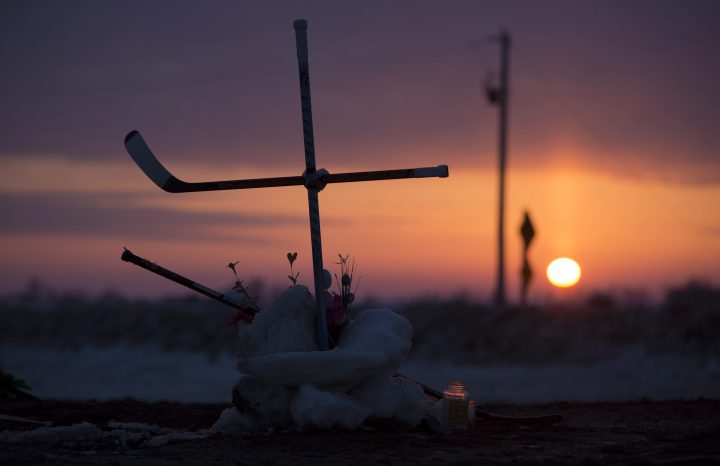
{"x": 217, "y": 80}
{"x": 634, "y": 84}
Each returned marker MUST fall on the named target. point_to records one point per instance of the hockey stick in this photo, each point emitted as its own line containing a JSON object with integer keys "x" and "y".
{"x": 547, "y": 419}
{"x": 128, "y": 256}
{"x": 151, "y": 166}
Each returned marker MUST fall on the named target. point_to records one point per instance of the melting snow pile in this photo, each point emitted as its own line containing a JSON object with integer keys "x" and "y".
{"x": 287, "y": 382}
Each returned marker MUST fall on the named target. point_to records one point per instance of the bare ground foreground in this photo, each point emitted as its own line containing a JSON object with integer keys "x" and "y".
{"x": 643, "y": 432}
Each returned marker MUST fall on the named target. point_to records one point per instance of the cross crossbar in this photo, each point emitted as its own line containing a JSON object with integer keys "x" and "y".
{"x": 140, "y": 152}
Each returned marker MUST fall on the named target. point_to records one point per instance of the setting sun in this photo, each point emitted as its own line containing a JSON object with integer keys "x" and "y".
{"x": 563, "y": 272}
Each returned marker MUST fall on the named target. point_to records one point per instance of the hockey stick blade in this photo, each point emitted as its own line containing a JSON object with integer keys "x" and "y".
{"x": 151, "y": 166}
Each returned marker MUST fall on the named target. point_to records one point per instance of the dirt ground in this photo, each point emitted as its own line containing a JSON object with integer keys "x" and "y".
{"x": 643, "y": 432}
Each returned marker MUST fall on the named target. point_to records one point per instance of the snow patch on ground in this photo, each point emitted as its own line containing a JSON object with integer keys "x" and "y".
{"x": 155, "y": 375}
{"x": 631, "y": 376}
{"x": 147, "y": 374}
{"x": 78, "y": 432}
{"x": 122, "y": 433}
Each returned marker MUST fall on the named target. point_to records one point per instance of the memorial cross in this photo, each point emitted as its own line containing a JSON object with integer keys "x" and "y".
{"x": 313, "y": 179}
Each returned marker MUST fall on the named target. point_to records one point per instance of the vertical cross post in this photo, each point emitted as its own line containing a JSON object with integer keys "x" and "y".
{"x": 310, "y": 170}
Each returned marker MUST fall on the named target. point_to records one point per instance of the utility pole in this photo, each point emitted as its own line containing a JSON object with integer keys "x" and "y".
{"x": 499, "y": 94}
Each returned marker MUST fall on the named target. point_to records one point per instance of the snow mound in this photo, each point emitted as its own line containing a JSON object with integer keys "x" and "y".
{"x": 376, "y": 342}
{"x": 125, "y": 434}
{"x": 259, "y": 400}
{"x": 390, "y": 397}
{"x": 323, "y": 410}
{"x": 286, "y": 325}
{"x": 232, "y": 421}
{"x": 334, "y": 368}
{"x": 289, "y": 382}
{"x": 378, "y": 330}
{"x": 139, "y": 426}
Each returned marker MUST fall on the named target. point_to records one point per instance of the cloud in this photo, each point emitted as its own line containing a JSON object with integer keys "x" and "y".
{"x": 631, "y": 87}
{"x": 122, "y": 215}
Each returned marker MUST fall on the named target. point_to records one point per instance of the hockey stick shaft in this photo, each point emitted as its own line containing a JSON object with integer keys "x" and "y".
{"x": 177, "y": 186}
{"x": 301, "y": 43}
{"x": 128, "y": 256}
{"x": 440, "y": 171}
{"x": 523, "y": 420}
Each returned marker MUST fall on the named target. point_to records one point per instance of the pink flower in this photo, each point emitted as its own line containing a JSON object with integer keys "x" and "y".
{"x": 334, "y": 311}
{"x": 240, "y": 317}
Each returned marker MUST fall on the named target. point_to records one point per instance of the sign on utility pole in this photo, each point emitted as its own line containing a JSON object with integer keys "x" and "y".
{"x": 528, "y": 233}
{"x": 499, "y": 94}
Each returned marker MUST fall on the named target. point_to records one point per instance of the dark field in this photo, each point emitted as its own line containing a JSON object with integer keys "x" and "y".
{"x": 643, "y": 432}
{"x": 530, "y": 349}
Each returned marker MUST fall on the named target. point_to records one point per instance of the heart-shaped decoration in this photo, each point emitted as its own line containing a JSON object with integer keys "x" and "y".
{"x": 291, "y": 257}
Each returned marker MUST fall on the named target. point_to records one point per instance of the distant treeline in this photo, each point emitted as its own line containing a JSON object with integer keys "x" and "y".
{"x": 38, "y": 296}
{"x": 685, "y": 324}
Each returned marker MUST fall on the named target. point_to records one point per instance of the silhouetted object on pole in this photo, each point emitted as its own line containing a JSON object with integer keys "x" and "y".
{"x": 528, "y": 233}
{"x": 499, "y": 94}
{"x": 313, "y": 179}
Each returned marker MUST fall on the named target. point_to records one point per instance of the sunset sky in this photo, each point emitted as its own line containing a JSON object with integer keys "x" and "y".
{"x": 614, "y": 142}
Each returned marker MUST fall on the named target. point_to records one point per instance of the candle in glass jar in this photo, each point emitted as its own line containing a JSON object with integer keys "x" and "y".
{"x": 457, "y": 400}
